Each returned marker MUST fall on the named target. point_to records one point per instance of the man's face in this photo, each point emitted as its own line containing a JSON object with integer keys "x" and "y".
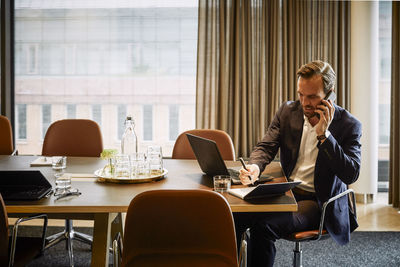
{"x": 311, "y": 92}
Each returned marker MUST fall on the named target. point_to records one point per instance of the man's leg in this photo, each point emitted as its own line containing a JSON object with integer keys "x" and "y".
{"x": 265, "y": 228}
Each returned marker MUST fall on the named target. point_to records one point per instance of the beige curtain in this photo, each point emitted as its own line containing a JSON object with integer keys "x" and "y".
{"x": 238, "y": 68}
{"x": 316, "y": 30}
{"x": 248, "y": 55}
{"x": 394, "y": 172}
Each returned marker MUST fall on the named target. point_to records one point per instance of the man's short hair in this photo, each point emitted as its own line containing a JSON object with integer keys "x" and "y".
{"x": 319, "y": 67}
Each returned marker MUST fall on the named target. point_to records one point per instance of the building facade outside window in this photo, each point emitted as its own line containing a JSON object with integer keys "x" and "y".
{"x": 21, "y": 122}
{"x": 96, "y": 114}
{"x": 100, "y": 56}
{"x": 147, "y": 122}
{"x": 46, "y": 118}
{"x": 71, "y": 111}
{"x": 174, "y": 122}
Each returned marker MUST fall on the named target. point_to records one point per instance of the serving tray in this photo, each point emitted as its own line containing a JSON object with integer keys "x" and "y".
{"x": 127, "y": 180}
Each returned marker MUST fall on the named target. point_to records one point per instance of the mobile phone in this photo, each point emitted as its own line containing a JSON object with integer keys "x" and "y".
{"x": 331, "y": 95}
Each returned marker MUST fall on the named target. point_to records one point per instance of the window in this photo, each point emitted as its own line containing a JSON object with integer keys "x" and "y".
{"x": 46, "y": 118}
{"x": 173, "y": 122}
{"x": 70, "y": 59}
{"x": 96, "y": 114}
{"x": 108, "y": 58}
{"x": 71, "y": 111}
{"x": 27, "y": 60}
{"x": 21, "y": 121}
{"x": 121, "y": 120}
{"x": 147, "y": 122}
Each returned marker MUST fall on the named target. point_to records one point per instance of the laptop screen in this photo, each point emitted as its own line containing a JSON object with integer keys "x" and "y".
{"x": 208, "y": 156}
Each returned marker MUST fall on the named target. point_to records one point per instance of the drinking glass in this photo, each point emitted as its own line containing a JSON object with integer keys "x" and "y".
{"x": 222, "y": 183}
{"x": 122, "y": 167}
{"x": 63, "y": 183}
{"x": 140, "y": 166}
{"x": 59, "y": 162}
{"x": 155, "y": 159}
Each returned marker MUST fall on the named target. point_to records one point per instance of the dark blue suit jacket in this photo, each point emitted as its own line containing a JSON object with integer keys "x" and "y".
{"x": 337, "y": 164}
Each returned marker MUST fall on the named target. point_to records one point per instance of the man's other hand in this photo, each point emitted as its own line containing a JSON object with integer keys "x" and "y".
{"x": 250, "y": 176}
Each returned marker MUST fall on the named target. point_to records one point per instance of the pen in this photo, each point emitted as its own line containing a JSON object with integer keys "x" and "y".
{"x": 244, "y": 167}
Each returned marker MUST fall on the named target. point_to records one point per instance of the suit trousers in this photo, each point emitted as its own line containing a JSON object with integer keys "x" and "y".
{"x": 267, "y": 227}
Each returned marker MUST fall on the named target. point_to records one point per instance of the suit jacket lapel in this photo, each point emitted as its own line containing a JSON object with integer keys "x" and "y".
{"x": 296, "y": 126}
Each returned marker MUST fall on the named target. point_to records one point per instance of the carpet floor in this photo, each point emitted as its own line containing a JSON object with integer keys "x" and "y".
{"x": 365, "y": 249}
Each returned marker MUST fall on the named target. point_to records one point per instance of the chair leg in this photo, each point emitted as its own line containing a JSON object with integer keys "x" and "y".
{"x": 70, "y": 249}
{"x": 69, "y": 235}
{"x": 297, "y": 256}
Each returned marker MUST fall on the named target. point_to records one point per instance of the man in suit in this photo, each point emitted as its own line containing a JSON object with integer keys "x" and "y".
{"x": 320, "y": 146}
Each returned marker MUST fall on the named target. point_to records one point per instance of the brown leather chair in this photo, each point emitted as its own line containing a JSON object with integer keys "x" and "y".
{"x": 6, "y": 137}
{"x": 18, "y": 251}
{"x": 75, "y": 138}
{"x": 317, "y": 234}
{"x": 178, "y": 228}
{"x": 183, "y": 150}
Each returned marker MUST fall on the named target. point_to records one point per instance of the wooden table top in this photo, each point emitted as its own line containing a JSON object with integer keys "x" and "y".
{"x": 99, "y": 197}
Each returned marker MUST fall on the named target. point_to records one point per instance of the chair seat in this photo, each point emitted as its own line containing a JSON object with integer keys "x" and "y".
{"x": 305, "y": 235}
{"x": 27, "y": 248}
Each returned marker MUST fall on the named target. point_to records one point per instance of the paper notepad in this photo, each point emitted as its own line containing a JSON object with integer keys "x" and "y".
{"x": 41, "y": 161}
{"x": 262, "y": 190}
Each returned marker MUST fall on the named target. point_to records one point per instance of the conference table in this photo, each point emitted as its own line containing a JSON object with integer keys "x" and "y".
{"x": 104, "y": 202}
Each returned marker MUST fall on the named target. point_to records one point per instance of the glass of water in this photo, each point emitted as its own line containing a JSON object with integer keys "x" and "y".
{"x": 222, "y": 183}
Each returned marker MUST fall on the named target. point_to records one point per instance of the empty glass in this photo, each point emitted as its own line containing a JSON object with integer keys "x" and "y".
{"x": 155, "y": 159}
{"x": 140, "y": 165}
{"x": 122, "y": 167}
{"x": 59, "y": 162}
{"x": 63, "y": 183}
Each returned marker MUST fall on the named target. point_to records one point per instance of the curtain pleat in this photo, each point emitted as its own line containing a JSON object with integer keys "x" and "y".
{"x": 248, "y": 55}
{"x": 394, "y": 170}
{"x": 316, "y": 30}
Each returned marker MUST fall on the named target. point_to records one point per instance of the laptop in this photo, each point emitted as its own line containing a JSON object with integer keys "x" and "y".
{"x": 211, "y": 162}
{"x": 23, "y": 185}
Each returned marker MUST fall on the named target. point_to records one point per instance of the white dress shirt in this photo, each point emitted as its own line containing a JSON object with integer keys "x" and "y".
{"x": 308, "y": 152}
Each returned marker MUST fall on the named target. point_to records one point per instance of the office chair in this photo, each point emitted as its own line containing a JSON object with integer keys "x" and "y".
{"x": 18, "y": 251}
{"x": 75, "y": 138}
{"x": 6, "y": 137}
{"x": 183, "y": 150}
{"x": 314, "y": 235}
{"x": 177, "y": 228}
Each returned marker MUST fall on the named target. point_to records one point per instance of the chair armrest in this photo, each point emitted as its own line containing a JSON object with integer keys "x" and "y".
{"x": 332, "y": 199}
{"x": 15, "y": 233}
{"x": 117, "y": 250}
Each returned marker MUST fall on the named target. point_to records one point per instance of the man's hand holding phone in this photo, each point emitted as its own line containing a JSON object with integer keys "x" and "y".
{"x": 326, "y": 111}
{"x": 250, "y": 175}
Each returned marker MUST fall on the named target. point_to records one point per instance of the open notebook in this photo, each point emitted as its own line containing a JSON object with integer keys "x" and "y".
{"x": 263, "y": 190}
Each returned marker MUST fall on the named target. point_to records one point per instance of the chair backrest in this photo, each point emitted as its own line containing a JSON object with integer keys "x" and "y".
{"x": 6, "y": 136}
{"x": 73, "y": 137}
{"x": 179, "y": 228}
{"x": 183, "y": 150}
{"x": 3, "y": 232}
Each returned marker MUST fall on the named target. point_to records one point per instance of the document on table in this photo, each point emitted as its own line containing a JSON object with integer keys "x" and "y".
{"x": 41, "y": 161}
{"x": 262, "y": 190}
